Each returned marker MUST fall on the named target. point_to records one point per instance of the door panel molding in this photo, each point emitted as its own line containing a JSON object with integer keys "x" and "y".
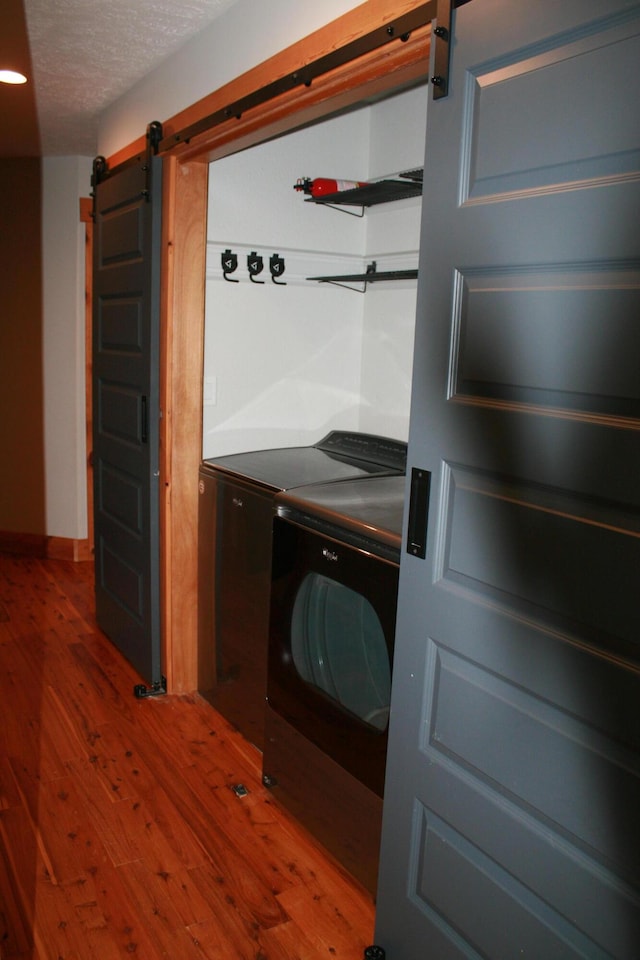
{"x": 125, "y": 362}
{"x": 513, "y": 774}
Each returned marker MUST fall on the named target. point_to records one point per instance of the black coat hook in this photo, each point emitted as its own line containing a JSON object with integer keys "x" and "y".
{"x": 276, "y": 265}
{"x": 255, "y": 264}
{"x": 229, "y": 264}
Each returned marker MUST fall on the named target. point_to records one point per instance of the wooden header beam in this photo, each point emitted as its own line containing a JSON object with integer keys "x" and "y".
{"x": 363, "y": 50}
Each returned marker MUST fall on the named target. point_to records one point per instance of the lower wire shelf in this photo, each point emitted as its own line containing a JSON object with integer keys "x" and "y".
{"x": 371, "y": 276}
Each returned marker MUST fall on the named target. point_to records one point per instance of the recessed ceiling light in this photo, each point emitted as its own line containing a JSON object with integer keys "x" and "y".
{"x": 12, "y": 76}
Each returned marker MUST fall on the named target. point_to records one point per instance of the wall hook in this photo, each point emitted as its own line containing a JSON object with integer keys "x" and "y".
{"x": 255, "y": 264}
{"x": 229, "y": 262}
{"x": 276, "y": 265}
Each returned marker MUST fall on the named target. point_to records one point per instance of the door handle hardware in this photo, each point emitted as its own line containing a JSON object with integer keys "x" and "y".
{"x": 418, "y": 511}
{"x": 144, "y": 424}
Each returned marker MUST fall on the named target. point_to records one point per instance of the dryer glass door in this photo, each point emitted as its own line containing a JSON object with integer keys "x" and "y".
{"x": 338, "y": 646}
{"x": 332, "y": 623}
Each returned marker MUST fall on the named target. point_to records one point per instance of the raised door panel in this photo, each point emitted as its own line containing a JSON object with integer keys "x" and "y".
{"x": 513, "y": 774}
{"x": 126, "y": 413}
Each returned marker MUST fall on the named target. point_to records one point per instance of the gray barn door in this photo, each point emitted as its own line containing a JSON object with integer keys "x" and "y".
{"x": 126, "y": 284}
{"x": 512, "y": 811}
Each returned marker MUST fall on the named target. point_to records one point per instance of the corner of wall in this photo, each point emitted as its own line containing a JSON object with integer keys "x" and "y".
{"x": 65, "y": 180}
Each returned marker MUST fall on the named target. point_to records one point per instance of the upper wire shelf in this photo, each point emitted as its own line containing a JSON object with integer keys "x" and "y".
{"x": 408, "y": 184}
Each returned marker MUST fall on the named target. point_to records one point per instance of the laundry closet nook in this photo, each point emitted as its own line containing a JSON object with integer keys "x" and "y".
{"x": 310, "y": 312}
{"x": 287, "y": 361}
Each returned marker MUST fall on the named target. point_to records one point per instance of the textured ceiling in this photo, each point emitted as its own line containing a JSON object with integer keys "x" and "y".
{"x": 86, "y": 53}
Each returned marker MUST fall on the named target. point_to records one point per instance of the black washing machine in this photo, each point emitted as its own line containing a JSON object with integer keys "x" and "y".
{"x": 234, "y": 557}
{"x": 336, "y": 553}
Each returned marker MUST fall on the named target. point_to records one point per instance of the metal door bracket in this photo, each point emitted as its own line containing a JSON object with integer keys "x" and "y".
{"x": 98, "y": 172}
{"x": 442, "y": 55}
{"x": 154, "y": 136}
{"x": 157, "y": 689}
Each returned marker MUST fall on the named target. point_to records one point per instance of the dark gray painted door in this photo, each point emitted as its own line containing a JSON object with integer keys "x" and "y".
{"x": 126, "y": 285}
{"x": 511, "y": 825}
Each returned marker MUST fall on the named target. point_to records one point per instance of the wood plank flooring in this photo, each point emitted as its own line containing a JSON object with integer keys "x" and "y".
{"x": 120, "y": 833}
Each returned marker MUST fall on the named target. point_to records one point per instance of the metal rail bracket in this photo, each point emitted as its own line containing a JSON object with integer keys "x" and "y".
{"x": 442, "y": 56}
{"x": 438, "y": 11}
{"x": 157, "y": 689}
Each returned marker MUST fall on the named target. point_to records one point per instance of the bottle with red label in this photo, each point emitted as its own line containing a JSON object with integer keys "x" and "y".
{"x": 323, "y": 186}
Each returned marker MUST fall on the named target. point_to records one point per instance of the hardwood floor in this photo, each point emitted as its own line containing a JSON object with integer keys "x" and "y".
{"x": 120, "y": 833}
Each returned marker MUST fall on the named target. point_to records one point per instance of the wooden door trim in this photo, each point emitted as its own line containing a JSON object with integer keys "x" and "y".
{"x": 181, "y": 364}
{"x": 391, "y": 68}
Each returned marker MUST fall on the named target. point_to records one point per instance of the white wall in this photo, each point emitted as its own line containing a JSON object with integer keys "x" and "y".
{"x": 65, "y": 180}
{"x": 245, "y": 35}
{"x": 397, "y": 144}
{"x": 398, "y": 127}
{"x": 284, "y": 365}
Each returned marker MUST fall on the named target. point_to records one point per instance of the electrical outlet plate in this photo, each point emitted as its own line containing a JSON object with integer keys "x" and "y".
{"x": 210, "y": 391}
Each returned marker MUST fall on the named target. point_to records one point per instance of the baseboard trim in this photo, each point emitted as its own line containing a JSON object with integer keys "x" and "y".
{"x": 49, "y": 548}
{"x": 24, "y": 544}
{"x": 63, "y": 548}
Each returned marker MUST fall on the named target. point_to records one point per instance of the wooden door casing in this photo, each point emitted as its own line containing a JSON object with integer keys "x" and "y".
{"x": 185, "y": 180}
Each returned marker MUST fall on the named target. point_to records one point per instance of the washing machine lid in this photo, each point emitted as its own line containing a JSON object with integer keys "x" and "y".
{"x": 340, "y": 455}
{"x": 358, "y": 510}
